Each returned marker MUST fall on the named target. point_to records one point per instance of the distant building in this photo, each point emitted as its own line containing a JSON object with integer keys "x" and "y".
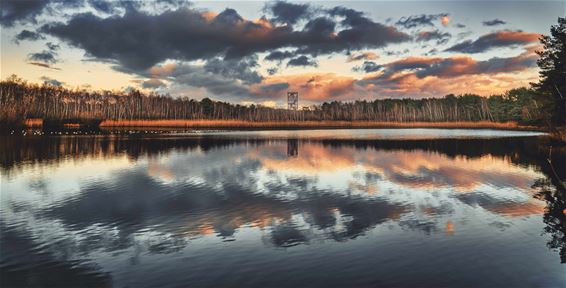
{"x": 293, "y": 100}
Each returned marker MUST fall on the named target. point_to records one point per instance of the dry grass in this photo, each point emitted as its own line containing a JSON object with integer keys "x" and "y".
{"x": 72, "y": 125}
{"x": 33, "y": 122}
{"x": 306, "y": 124}
{"x": 559, "y": 134}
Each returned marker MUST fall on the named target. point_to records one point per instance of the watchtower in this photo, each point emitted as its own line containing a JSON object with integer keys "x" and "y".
{"x": 293, "y": 100}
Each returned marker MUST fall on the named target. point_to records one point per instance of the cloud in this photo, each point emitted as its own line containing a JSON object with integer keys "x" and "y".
{"x": 493, "y": 22}
{"x": 152, "y": 84}
{"x": 183, "y": 75}
{"x": 218, "y": 52}
{"x": 235, "y": 69}
{"x": 52, "y": 46}
{"x": 284, "y": 12}
{"x": 44, "y": 65}
{"x": 458, "y": 65}
{"x": 445, "y": 20}
{"x": 302, "y": 61}
{"x": 18, "y": 10}
{"x": 28, "y": 35}
{"x": 495, "y": 40}
{"x": 362, "y": 56}
{"x": 360, "y": 33}
{"x": 279, "y": 55}
{"x": 137, "y": 40}
{"x": 368, "y": 67}
{"x": 44, "y": 56}
{"x": 436, "y": 35}
{"x": 431, "y": 76}
{"x": 313, "y": 86}
{"x": 51, "y": 81}
{"x": 103, "y": 5}
{"x": 422, "y": 20}
{"x": 275, "y": 87}
{"x": 460, "y": 25}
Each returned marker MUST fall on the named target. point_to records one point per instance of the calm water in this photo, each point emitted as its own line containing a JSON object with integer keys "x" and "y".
{"x": 394, "y": 208}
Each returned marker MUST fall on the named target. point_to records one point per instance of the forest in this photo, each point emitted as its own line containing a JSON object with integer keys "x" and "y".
{"x": 20, "y": 100}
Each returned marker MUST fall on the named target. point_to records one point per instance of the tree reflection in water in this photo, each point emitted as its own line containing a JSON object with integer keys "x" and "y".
{"x": 552, "y": 190}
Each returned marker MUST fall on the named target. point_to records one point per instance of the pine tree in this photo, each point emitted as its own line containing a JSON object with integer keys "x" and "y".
{"x": 552, "y": 64}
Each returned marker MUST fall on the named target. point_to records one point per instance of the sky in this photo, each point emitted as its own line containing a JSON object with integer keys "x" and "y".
{"x": 257, "y": 51}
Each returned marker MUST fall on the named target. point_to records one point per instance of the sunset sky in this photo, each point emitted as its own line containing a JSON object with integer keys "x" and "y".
{"x": 254, "y": 52}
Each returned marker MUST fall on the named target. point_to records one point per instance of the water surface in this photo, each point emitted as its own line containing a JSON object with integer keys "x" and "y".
{"x": 389, "y": 207}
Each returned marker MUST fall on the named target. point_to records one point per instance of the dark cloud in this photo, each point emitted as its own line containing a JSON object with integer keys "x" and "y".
{"x": 284, "y": 12}
{"x": 44, "y": 65}
{"x": 20, "y": 10}
{"x": 52, "y": 46}
{"x": 436, "y": 35}
{"x": 396, "y": 53}
{"x": 460, "y": 25}
{"x": 44, "y": 56}
{"x": 152, "y": 84}
{"x": 279, "y": 55}
{"x": 235, "y": 69}
{"x": 432, "y": 51}
{"x": 495, "y": 40}
{"x": 51, "y": 81}
{"x": 272, "y": 71}
{"x": 493, "y": 22}
{"x": 229, "y": 17}
{"x": 302, "y": 61}
{"x": 185, "y": 74}
{"x": 135, "y": 40}
{"x": 274, "y": 87}
{"x": 419, "y": 20}
{"x": 360, "y": 33}
{"x": 104, "y": 5}
{"x": 368, "y": 67}
{"x": 28, "y": 35}
{"x": 138, "y": 41}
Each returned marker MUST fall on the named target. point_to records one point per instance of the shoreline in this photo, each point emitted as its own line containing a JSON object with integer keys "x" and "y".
{"x": 273, "y": 125}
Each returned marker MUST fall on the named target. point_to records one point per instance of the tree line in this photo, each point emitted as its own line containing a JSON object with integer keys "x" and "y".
{"x": 20, "y": 100}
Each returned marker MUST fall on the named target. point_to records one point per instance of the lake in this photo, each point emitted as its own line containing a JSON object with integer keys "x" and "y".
{"x": 322, "y": 208}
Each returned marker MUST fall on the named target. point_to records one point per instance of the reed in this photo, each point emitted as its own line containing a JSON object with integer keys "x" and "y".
{"x": 307, "y": 124}
{"x": 33, "y": 122}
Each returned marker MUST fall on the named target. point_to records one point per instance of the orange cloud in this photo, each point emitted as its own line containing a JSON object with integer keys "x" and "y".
{"x": 517, "y": 36}
{"x": 445, "y": 20}
{"x": 311, "y": 86}
{"x": 437, "y": 76}
{"x": 162, "y": 70}
{"x": 209, "y": 15}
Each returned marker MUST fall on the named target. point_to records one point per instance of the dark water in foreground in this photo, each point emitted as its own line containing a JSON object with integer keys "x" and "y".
{"x": 391, "y": 208}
